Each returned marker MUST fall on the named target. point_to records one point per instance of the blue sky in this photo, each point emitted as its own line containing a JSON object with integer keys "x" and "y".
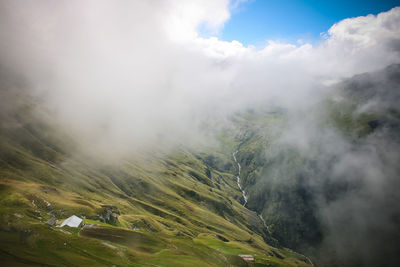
{"x": 256, "y": 21}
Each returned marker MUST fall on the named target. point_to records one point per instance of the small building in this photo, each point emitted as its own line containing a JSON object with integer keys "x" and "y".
{"x": 73, "y": 221}
{"x": 52, "y": 221}
{"x": 246, "y": 257}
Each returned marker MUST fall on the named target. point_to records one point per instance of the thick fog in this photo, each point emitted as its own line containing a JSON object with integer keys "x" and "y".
{"x": 352, "y": 180}
{"x": 122, "y": 75}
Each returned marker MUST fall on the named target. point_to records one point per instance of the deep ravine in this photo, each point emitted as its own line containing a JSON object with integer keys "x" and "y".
{"x": 245, "y": 197}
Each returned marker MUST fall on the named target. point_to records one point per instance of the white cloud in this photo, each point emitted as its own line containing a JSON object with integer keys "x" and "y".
{"x": 351, "y": 46}
{"x": 184, "y": 17}
{"x": 135, "y": 70}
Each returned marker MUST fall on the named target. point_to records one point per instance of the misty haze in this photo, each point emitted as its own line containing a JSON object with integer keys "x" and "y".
{"x": 141, "y": 133}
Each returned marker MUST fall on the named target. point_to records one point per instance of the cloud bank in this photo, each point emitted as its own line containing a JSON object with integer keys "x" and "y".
{"x": 122, "y": 74}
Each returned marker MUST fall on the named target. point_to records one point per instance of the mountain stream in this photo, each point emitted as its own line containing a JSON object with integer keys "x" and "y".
{"x": 238, "y": 178}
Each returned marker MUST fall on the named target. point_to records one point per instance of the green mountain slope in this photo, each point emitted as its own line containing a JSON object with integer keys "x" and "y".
{"x": 160, "y": 208}
{"x": 313, "y": 177}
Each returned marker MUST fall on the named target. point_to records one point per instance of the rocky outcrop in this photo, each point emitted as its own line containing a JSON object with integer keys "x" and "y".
{"x": 109, "y": 214}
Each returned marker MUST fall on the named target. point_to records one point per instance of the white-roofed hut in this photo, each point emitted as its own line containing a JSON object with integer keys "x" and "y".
{"x": 73, "y": 221}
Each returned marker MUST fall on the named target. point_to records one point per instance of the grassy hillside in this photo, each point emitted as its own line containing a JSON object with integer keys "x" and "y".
{"x": 164, "y": 208}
